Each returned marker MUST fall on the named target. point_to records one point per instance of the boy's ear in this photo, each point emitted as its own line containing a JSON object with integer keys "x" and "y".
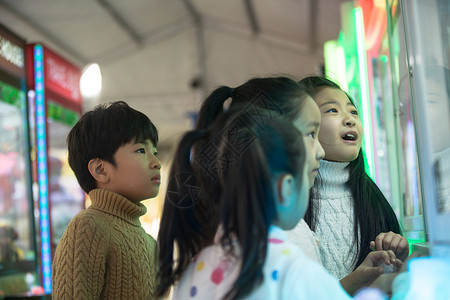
{"x": 286, "y": 190}
{"x": 97, "y": 169}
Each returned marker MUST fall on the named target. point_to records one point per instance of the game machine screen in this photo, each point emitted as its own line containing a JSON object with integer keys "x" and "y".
{"x": 427, "y": 46}
{"x": 17, "y": 235}
{"x": 56, "y": 103}
{"x": 372, "y": 48}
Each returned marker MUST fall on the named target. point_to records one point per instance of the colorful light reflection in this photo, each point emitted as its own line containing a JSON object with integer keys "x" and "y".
{"x": 41, "y": 141}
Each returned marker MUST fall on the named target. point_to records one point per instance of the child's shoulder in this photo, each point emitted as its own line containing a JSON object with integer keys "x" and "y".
{"x": 89, "y": 218}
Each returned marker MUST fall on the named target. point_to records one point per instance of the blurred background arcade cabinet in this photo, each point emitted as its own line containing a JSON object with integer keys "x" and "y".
{"x": 56, "y": 102}
{"x": 18, "y": 255}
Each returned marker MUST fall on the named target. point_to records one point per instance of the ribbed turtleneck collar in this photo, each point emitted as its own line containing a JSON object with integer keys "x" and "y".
{"x": 117, "y": 205}
{"x": 332, "y": 178}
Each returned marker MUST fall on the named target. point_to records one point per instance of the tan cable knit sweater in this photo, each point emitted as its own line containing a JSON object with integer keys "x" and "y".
{"x": 105, "y": 253}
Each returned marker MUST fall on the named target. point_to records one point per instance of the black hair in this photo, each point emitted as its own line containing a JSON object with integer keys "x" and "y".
{"x": 282, "y": 95}
{"x": 100, "y": 132}
{"x": 372, "y": 212}
{"x": 197, "y": 225}
{"x": 256, "y": 154}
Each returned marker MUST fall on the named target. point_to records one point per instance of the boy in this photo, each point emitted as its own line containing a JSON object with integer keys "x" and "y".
{"x": 104, "y": 252}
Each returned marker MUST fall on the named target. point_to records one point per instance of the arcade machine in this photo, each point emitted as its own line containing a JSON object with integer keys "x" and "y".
{"x": 18, "y": 255}
{"x": 56, "y": 103}
{"x": 399, "y": 72}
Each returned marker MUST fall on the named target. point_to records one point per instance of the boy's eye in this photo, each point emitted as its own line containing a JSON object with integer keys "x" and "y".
{"x": 141, "y": 150}
{"x": 155, "y": 153}
{"x": 354, "y": 112}
{"x": 312, "y": 134}
{"x": 331, "y": 110}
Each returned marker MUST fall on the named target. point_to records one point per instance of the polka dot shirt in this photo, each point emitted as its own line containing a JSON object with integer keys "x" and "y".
{"x": 288, "y": 274}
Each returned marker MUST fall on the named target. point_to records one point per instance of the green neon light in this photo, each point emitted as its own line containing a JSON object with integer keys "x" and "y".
{"x": 61, "y": 114}
{"x": 10, "y": 94}
{"x": 364, "y": 99}
{"x": 335, "y": 63}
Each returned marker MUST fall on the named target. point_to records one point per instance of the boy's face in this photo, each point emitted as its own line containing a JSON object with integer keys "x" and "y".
{"x": 136, "y": 175}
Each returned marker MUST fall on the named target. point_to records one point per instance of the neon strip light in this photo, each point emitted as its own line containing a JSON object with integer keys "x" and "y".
{"x": 41, "y": 141}
{"x": 335, "y": 63}
{"x": 364, "y": 86}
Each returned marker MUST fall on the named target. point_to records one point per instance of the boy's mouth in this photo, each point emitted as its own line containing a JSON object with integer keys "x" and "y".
{"x": 156, "y": 178}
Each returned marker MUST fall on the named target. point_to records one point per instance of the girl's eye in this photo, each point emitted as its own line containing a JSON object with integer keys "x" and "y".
{"x": 334, "y": 110}
{"x": 155, "y": 153}
{"x": 312, "y": 134}
{"x": 141, "y": 150}
{"x": 354, "y": 112}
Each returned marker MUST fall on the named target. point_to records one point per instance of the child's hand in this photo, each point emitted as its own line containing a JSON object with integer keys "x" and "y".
{"x": 369, "y": 270}
{"x": 391, "y": 241}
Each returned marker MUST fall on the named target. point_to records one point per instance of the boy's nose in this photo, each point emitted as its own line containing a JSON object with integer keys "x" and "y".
{"x": 156, "y": 164}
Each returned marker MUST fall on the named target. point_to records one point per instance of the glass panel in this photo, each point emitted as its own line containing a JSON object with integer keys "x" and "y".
{"x": 406, "y": 140}
{"x": 428, "y": 48}
{"x": 16, "y": 233}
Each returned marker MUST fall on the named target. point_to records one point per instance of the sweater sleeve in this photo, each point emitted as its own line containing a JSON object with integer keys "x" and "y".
{"x": 80, "y": 260}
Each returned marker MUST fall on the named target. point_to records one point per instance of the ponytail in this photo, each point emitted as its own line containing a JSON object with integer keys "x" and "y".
{"x": 212, "y": 107}
{"x": 179, "y": 223}
{"x": 247, "y": 206}
{"x": 247, "y": 211}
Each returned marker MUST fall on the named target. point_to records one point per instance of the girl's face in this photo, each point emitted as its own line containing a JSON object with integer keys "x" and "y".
{"x": 341, "y": 132}
{"x": 309, "y": 124}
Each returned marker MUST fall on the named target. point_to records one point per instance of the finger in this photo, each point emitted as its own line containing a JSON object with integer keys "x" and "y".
{"x": 392, "y": 256}
{"x": 378, "y": 257}
{"x": 389, "y": 257}
{"x": 403, "y": 249}
{"x": 372, "y": 246}
{"x": 379, "y": 241}
{"x": 395, "y": 243}
{"x": 387, "y": 240}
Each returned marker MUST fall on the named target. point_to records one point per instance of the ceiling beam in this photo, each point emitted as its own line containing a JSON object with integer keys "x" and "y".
{"x": 117, "y": 17}
{"x": 192, "y": 10}
{"x": 47, "y": 36}
{"x": 254, "y": 24}
{"x": 161, "y": 34}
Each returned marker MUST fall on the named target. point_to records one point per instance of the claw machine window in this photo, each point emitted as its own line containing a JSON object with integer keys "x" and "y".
{"x": 394, "y": 56}
{"x": 17, "y": 231}
{"x": 57, "y": 104}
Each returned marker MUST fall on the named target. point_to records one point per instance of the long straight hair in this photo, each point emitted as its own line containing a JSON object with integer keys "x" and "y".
{"x": 372, "y": 212}
{"x": 191, "y": 228}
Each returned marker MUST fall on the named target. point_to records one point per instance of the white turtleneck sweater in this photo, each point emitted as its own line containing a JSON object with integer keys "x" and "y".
{"x": 335, "y": 220}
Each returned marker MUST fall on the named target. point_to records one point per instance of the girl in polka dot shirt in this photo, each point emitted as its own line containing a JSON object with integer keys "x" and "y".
{"x": 264, "y": 177}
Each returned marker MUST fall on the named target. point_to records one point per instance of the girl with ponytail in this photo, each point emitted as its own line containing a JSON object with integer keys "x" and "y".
{"x": 265, "y": 186}
{"x": 186, "y": 229}
{"x": 201, "y": 179}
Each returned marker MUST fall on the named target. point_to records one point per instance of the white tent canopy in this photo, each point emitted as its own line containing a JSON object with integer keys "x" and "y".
{"x": 164, "y": 56}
